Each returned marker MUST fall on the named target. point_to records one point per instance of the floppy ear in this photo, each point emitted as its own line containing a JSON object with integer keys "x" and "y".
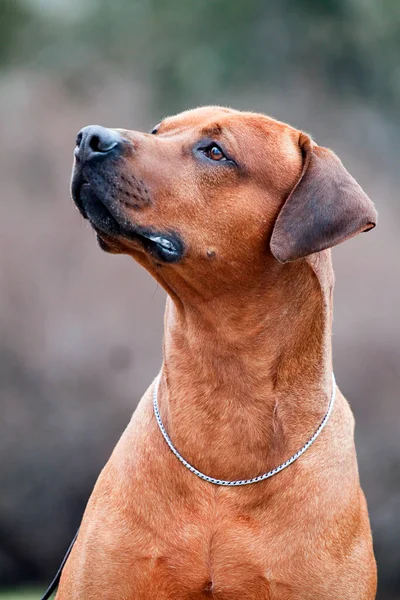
{"x": 325, "y": 207}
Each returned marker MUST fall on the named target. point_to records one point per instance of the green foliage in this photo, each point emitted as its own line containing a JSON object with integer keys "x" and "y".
{"x": 189, "y": 48}
{"x": 14, "y": 17}
{"x": 21, "y": 595}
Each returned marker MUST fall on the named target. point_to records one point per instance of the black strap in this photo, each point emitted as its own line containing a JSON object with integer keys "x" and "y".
{"x": 52, "y": 587}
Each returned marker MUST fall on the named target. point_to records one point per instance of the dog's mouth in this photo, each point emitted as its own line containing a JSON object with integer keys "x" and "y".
{"x": 93, "y": 209}
{"x": 114, "y": 227}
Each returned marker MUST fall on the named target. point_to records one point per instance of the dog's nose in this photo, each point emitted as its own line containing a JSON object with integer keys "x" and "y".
{"x": 95, "y": 141}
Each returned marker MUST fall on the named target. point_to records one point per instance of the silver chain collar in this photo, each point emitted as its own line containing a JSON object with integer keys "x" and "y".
{"x": 282, "y": 466}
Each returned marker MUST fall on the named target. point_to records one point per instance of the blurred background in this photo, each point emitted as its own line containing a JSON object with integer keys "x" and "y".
{"x": 80, "y": 331}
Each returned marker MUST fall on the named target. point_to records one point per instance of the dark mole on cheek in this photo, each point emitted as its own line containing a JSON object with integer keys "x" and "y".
{"x": 211, "y": 253}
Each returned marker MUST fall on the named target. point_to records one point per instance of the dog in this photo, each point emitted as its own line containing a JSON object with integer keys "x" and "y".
{"x": 234, "y": 214}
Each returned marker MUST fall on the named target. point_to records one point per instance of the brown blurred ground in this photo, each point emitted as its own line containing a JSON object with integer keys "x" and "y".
{"x": 80, "y": 331}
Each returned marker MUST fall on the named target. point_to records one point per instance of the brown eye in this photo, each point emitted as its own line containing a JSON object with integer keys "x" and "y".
{"x": 215, "y": 153}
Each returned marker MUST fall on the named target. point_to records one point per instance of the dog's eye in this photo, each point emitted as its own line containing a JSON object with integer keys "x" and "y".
{"x": 155, "y": 129}
{"x": 214, "y": 152}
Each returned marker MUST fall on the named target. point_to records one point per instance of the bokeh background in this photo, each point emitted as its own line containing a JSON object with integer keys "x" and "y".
{"x": 80, "y": 331}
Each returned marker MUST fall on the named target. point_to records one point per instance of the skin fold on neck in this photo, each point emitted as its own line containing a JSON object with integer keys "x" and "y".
{"x": 229, "y": 363}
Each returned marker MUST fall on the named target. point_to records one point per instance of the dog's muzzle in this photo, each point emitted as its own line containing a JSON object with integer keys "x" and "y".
{"x": 94, "y": 141}
{"x": 97, "y": 184}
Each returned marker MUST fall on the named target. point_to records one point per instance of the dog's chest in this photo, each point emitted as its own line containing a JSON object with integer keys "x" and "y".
{"x": 225, "y": 564}
{"x": 224, "y": 559}
{"x": 184, "y": 550}
{"x": 194, "y": 563}
{"x": 153, "y": 531}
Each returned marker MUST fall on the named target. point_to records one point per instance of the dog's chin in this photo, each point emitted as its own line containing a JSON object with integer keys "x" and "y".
{"x": 117, "y": 235}
{"x": 111, "y": 237}
{"x": 110, "y": 244}
{"x": 97, "y": 213}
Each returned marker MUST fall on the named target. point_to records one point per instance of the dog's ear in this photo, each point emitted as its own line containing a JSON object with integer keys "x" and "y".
{"x": 325, "y": 207}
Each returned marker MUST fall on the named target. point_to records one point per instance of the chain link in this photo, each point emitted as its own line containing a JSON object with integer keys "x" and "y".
{"x": 277, "y": 469}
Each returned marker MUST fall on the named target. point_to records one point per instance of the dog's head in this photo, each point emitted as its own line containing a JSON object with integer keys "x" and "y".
{"x": 212, "y": 195}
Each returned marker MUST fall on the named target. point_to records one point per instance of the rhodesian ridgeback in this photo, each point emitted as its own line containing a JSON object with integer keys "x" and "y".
{"x": 237, "y": 477}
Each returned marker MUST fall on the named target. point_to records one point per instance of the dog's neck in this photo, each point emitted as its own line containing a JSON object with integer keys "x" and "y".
{"x": 246, "y": 380}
